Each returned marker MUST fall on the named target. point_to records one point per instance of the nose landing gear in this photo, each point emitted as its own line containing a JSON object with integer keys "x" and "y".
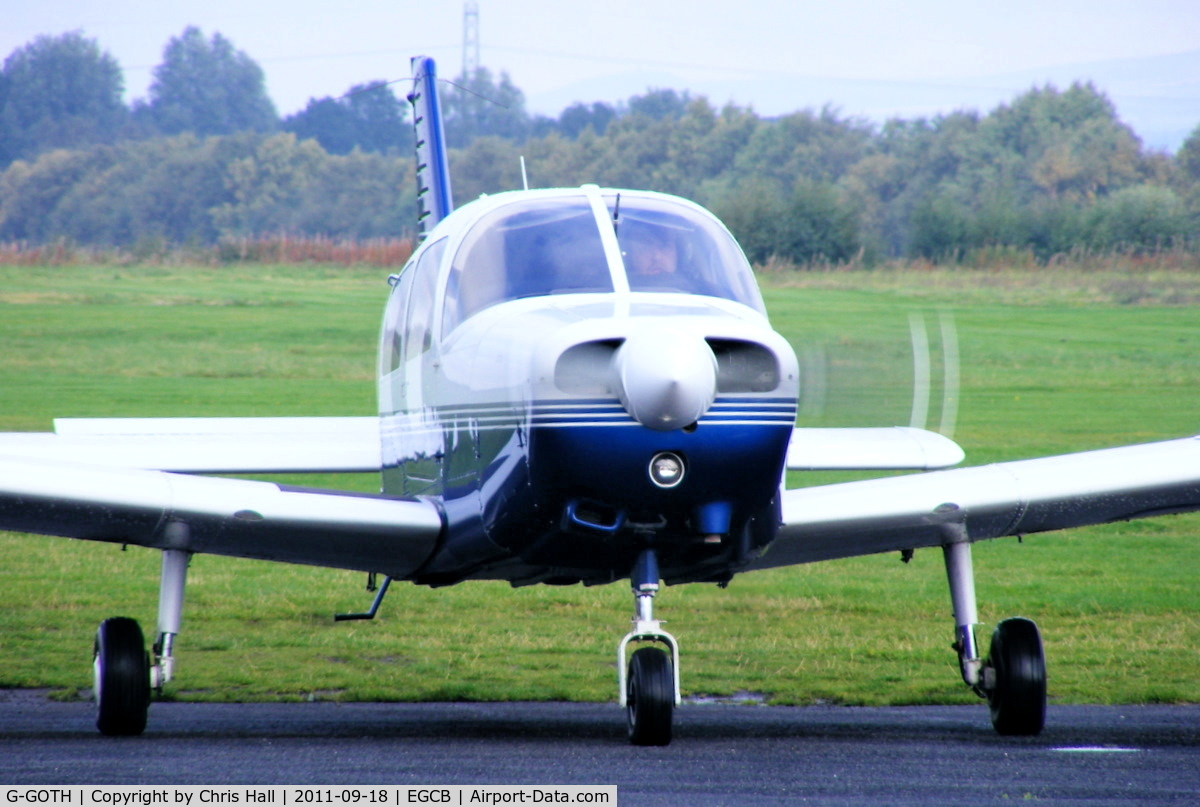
{"x": 649, "y": 690}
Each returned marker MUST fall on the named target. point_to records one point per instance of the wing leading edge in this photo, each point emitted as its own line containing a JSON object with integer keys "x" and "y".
{"x": 991, "y": 501}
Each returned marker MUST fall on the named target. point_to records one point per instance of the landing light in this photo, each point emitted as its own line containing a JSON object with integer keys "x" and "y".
{"x": 666, "y": 469}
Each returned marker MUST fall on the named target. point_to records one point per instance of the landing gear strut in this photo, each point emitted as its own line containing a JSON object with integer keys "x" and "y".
{"x": 1013, "y": 677}
{"x": 649, "y": 691}
{"x": 123, "y": 673}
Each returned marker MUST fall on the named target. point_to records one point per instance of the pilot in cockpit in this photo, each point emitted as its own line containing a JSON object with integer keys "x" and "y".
{"x": 651, "y": 254}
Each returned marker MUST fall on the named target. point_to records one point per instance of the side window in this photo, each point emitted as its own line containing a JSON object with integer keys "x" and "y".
{"x": 418, "y": 324}
{"x": 478, "y": 275}
{"x": 391, "y": 341}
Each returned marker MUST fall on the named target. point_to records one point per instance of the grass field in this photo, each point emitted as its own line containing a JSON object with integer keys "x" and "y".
{"x": 1051, "y": 362}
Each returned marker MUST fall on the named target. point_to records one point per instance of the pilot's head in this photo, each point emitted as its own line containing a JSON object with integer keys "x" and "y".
{"x": 649, "y": 250}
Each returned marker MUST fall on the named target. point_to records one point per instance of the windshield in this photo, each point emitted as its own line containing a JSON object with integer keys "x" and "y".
{"x": 526, "y": 249}
{"x": 551, "y": 245}
{"x": 667, "y": 246}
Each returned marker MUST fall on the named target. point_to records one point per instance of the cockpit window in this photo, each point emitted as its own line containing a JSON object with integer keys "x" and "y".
{"x": 667, "y": 247}
{"x": 532, "y": 248}
{"x": 552, "y": 245}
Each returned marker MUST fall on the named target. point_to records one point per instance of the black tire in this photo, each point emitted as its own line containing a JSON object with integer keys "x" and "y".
{"x": 122, "y": 677}
{"x": 1018, "y": 701}
{"x": 650, "y": 697}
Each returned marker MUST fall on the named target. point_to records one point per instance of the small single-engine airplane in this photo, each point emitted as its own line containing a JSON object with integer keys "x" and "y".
{"x": 575, "y": 386}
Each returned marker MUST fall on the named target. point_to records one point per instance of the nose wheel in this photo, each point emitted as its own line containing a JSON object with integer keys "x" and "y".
{"x": 649, "y": 687}
{"x": 650, "y": 697}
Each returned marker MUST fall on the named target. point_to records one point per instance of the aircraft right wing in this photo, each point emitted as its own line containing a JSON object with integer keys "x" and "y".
{"x": 235, "y": 517}
{"x": 989, "y": 501}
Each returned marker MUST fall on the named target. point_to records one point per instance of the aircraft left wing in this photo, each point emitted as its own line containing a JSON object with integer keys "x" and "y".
{"x": 235, "y": 517}
{"x": 990, "y": 501}
{"x": 208, "y": 445}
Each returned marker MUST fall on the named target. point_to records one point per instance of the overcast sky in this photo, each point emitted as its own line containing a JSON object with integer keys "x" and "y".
{"x": 551, "y": 47}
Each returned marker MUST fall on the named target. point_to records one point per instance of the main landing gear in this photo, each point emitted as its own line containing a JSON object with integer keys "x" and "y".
{"x": 124, "y": 675}
{"x": 1013, "y": 676}
{"x": 649, "y": 690}
{"x": 121, "y": 672}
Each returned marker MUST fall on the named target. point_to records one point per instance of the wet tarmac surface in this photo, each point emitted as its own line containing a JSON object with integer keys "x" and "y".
{"x": 721, "y": 754}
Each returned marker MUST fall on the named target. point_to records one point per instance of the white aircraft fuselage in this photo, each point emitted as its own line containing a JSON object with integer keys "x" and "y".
{"x": 575, "y": 379}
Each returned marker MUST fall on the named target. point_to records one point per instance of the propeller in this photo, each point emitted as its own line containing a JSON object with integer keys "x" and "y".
{"x": 923, "y": 372}
{"x": 882, "y": 376}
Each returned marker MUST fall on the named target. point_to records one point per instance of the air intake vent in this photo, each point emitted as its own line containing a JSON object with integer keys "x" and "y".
{"x": 744, "y": 366}
{"x": 586, "y": 369}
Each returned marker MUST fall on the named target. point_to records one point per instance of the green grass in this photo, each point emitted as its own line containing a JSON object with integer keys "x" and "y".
{"x": 1049, "y": 364}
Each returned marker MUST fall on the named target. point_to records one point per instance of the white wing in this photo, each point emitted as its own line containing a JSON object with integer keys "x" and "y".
{"x": 103, "y": 479}
{"x": 221, "y": 516}
{"x": 886, "y": 449}
{"x": 991, "y": 501}
{"x": 208, "y": 445}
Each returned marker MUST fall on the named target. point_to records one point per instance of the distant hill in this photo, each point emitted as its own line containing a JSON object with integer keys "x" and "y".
{"x": 1158, "y": 96}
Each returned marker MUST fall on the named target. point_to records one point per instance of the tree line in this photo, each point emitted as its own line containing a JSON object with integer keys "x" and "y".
{"x": 205, "y": 157}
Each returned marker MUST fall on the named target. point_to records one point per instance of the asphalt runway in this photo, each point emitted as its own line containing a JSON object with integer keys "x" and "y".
{"x": 722, "y": 754}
